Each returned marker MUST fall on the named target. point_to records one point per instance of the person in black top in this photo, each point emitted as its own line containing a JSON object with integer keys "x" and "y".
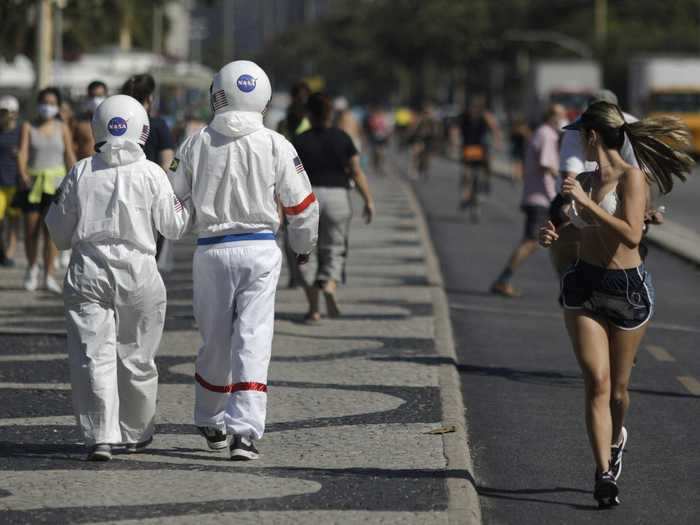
{"x": 160, "y": 145}
{"x": 476, "y": 124}
{"x": 333, "y": 166}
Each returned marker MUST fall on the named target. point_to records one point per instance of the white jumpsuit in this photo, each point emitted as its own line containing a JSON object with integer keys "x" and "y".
{"x": 234, "y": 171}
{"x": 108, "y": 210}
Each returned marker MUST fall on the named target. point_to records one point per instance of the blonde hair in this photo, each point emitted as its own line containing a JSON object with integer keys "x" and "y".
{"x": 659, "y": 143}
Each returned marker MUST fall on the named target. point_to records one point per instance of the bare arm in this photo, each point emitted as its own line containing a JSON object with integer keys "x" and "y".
{"x": 165, "y": 158}
{"x": 23, "y": 156}
{"x": 68, "y": 151}
{"x": 630, "y": 226}
{"x": 363, "y": 187}
{"x": 492, "y": 123}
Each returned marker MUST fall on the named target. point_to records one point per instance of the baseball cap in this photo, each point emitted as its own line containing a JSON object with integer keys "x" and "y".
{"x": 603, "y": 95}
{"x": 9, "y": 103}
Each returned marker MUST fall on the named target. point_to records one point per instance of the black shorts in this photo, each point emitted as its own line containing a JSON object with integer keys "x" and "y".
{"x": 535, "y": 218}
{"x": 21, "y": 201}
{"x": 625, "y": 298}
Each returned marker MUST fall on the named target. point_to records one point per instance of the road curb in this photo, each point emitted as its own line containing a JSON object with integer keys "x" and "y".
{"x": 463, "y": 499}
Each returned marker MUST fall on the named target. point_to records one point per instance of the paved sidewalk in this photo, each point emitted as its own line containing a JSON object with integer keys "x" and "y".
{"x": 352, "y": 403}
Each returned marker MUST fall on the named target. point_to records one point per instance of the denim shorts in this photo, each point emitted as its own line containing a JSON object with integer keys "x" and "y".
{"x": 625, "y": 298}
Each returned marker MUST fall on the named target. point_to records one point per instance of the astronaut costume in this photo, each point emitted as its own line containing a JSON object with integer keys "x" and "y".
{"x": 234, "y": 172}
{"x": 108, "y": 210}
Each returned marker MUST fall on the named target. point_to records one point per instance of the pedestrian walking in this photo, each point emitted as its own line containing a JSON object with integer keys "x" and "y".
{"x": 378, "y": 132}
{"x": 235, "y": 171}
{"x": 539, "y": 189}
{"x": 107, "y": 210}
{"x": 294, "y": 123}
{"x": 9, "y": 147}
{"x": 333, "y": 164}
{"x": 83, "y": 140}
{"x": 45, "y": 155}
{"x": 608, "y": 295}
{"x": 479, "y": 129}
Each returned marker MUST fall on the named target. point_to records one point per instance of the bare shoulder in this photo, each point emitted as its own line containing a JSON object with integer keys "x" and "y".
{"x": 633, "y": 178}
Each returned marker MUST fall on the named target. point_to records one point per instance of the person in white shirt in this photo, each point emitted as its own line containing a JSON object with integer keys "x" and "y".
{"x": 108, "y": 210}
{"x": 235, "y": 171}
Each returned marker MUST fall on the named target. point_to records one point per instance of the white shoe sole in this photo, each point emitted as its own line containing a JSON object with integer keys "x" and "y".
{"x": 220, "y": 445}
{"x": 243, "y": 455}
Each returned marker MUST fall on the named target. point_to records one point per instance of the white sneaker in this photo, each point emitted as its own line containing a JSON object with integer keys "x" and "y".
{"x": 52, "y": 285}
{"x": 31, "y": 278}
{"x": 64, "y": 258}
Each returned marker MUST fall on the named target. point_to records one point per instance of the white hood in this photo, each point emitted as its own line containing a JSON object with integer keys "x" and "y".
{"x": 237, "y": 123}
{"x": 119, "y": 152}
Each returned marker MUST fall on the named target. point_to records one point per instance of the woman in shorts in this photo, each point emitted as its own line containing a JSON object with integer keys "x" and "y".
{"x": 607, "y": 295}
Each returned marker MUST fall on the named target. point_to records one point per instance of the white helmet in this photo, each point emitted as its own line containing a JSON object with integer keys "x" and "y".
{"x": 240, "y": 86}
{"x": 120, "y": 117}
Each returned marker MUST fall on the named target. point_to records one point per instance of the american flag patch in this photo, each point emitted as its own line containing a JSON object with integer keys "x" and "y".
{"x": 219, "y": 99}
{"x": 144, "y": 134}
{"x": 178, "y": 204}
{"x": 298, "y": 165}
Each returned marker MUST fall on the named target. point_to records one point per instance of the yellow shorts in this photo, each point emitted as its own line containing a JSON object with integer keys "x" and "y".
{"x": 7, "y": 193}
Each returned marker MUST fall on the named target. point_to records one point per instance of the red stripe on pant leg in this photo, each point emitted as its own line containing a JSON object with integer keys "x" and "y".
{"x": 235, "y": 387}
{"x": 296, "y": 210}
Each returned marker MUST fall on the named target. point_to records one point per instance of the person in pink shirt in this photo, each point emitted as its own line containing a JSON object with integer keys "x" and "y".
{"x": 539, "y": 189}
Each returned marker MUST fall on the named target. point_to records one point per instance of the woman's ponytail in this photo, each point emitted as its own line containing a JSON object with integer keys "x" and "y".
{"x": 659, "y": 144}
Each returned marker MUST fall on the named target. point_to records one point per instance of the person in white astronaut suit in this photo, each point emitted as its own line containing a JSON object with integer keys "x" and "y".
{"x": 234, "y": 172}
{"x": 108, "y": 210}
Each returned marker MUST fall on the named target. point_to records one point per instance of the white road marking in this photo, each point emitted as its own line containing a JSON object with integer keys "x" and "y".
{"x": 35, "y": 386}
{"x": 32, "y": 357}
{"x": 660, "y": 353}
{"x": 691, "y": 384}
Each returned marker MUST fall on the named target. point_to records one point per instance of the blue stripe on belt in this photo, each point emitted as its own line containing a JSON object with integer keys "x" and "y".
{"x": 265, "y": 236}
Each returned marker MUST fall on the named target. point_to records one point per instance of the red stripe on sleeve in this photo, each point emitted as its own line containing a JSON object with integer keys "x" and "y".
{"x": 235, "y": 387}
{"x": 296, "y": 210}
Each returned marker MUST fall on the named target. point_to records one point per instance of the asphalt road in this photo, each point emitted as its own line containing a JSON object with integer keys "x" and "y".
{"x": 522, "y": 387}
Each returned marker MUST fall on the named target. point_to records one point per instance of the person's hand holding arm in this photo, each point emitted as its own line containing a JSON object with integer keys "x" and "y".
{"x": 363, "y": 187}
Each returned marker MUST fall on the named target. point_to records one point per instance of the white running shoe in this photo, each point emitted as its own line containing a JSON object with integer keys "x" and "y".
{"x": 31, "y": 278}
{"x": 52, "y": 285}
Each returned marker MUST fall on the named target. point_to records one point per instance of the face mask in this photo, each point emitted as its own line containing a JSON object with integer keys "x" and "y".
{"x": 47, "y": 111}
{"x": 92, "y": 103}
{"x": 562, "y": 122}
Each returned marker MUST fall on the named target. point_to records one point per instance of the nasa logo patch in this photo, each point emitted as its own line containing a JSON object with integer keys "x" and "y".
{"x": 117, "y": 126}
{"x": 246, "y": 83}
{"x": 174, "y": 164}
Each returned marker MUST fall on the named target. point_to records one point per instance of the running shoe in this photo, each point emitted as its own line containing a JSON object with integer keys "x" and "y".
{"x": 135, "y": 448}
{"x": 243, "y": 449}
{"x": 31, "y": 278}
{"x": 606, "y": 490}
{"x": 216, "y": 439}
{"x": 100, "y": 452}
{"x": 52, "y": 285}
{"x": 504, "y": 289}
{"x": 616, "y": 456}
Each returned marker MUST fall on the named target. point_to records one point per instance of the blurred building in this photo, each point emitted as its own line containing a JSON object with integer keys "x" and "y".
{"x": 239, "y": 29}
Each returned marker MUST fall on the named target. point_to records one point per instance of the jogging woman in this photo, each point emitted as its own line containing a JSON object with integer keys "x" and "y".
{"x": 607, "y": 295}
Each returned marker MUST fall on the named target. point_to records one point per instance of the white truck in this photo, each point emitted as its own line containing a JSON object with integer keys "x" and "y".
{"x": 667, "y": 85}
{"x": 567, "y": 82}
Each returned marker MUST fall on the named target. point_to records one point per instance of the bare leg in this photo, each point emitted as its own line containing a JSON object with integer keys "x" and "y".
{"x": 624, "y": 346}
{"x": 50, "y": 251}
{"x": 312, "y": 296}
{"x": 524, "y": 250}
{"x": 32, "y": 228}
{"x": 589, "y": 337}
{"x": 12, "y": 228}
{"x": 329, "y": 296}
